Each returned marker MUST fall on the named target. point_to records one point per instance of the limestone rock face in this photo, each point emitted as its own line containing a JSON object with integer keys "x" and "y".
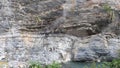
{"x": 96, "y": 48}
{"x": 20, "y": 50}
{"x": 58, "y": 30}
{"x": 53, "y": 16}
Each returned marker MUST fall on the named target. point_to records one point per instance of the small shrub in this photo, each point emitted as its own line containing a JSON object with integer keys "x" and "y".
{"x": 35, "y": 65}
{"x": 93, "y": 65}
{"x": 104, "y": 66}
{"x": 54, "y": 65}
{"x": 114, "y": 64}
{"x": 109, "y": 10}
{"x": 38, "y": 65}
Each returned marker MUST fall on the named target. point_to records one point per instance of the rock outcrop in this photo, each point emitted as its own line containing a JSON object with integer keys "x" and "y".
{"x": 96, "y": 48}
{"x": 20, "y": 50}
{"x": 58, "y": 30}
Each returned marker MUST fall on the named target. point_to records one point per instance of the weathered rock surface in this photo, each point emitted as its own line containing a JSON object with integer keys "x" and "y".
{"x": 58, "y": 30}
{"x": 96, "y": 48}
{"x": 36, "y": 48}
{"x": 60, "y": 48}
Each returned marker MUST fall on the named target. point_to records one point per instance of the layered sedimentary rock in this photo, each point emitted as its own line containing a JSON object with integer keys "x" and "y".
{"x": 58, "y": 30}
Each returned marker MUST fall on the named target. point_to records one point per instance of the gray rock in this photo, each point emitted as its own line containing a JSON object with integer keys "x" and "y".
{"x": 32, "y": 30}
{"x": 97, "y": 48}
{"x": 85, "y": 54}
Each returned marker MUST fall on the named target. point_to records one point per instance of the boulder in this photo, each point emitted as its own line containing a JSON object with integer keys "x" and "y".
{"x": 97, "y": 48}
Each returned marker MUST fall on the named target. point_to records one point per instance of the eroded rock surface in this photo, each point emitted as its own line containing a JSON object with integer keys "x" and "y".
{"x": 96, "y": 48}
{"x": 58, "y": 30}
{"x": 20, "y": 50}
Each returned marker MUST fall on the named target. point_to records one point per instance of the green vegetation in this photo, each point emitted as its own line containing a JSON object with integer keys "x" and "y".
{"x": 38, "y": 19}
{"x": 93, "y": 65}
{"x": 38, "y": 65}
{"x": 35, "y": 65}
{"x": 54, "y": 65}
{"x": 109, "y": 10}
{"x": 114, "y": 64}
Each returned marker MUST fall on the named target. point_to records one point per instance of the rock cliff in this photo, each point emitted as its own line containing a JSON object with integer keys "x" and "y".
{"x": 58, "y": 30}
